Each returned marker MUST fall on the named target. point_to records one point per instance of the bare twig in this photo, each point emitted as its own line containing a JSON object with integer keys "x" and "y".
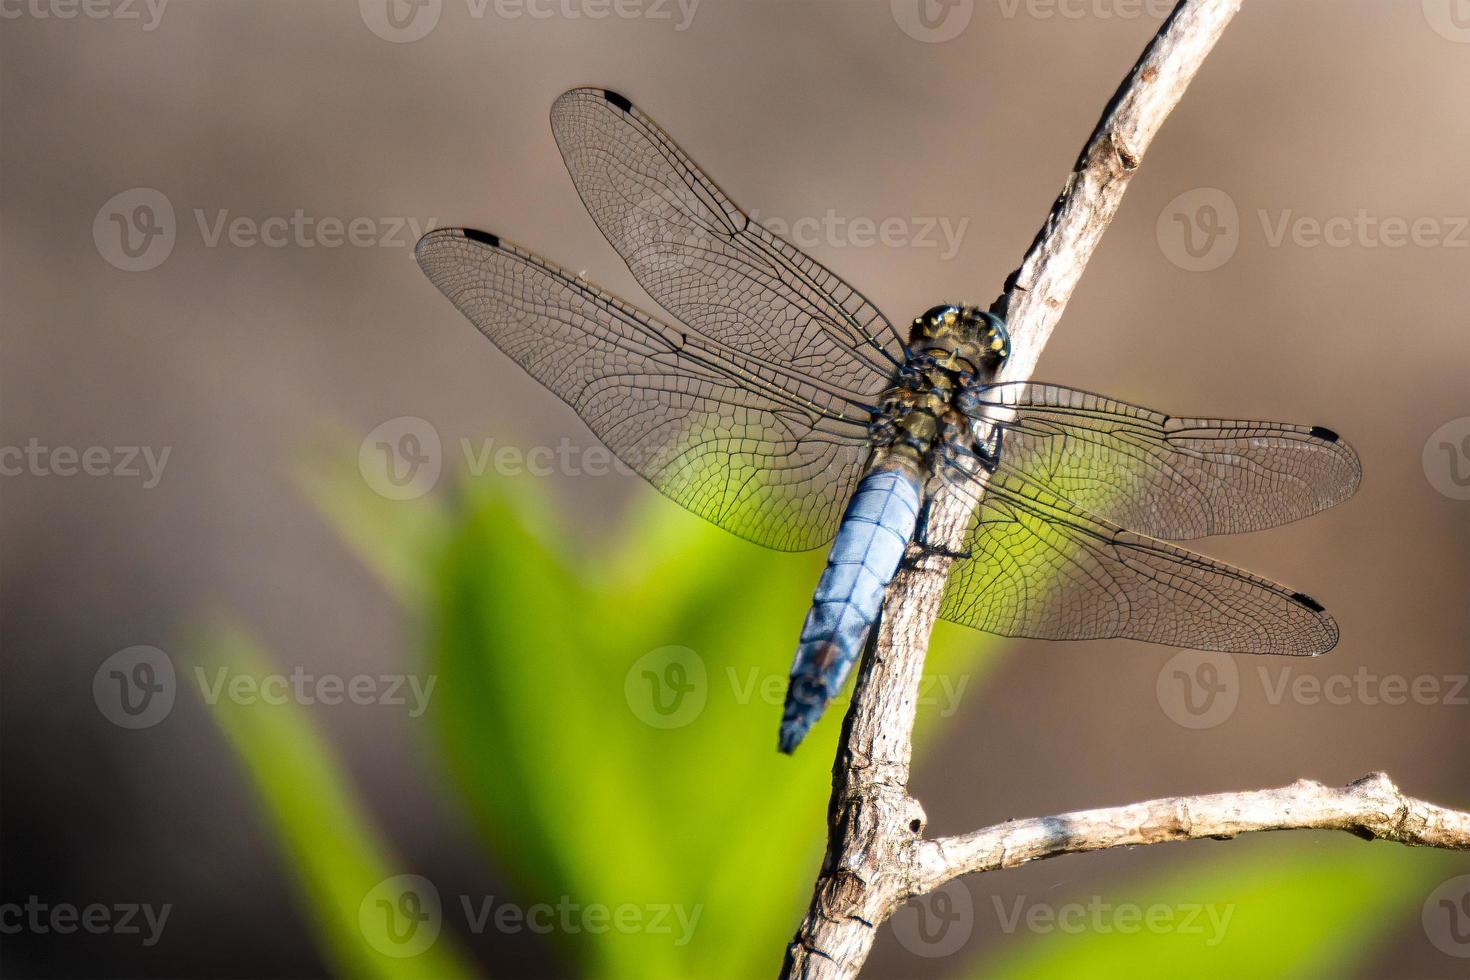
{"x": 872, "y": 819}
{"x": 1371, "y": 807}
{"x": 876, "y": 855}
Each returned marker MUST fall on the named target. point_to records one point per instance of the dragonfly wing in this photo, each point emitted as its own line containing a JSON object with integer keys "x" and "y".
{"x": 1167, "y": 477}
{"x": 702, "y": 258}
{"x": 1040, "y": 567}
{"x": 743, "y": 440}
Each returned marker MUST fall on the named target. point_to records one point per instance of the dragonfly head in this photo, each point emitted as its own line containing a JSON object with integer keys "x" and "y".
{"x": 962, "y": 338}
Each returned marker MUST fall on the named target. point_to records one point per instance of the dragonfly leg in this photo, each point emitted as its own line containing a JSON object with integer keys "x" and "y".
{"x": 870, "y": 644}
{"x": 985, "y": 452}
{"x": 926, "y": 548}
{"x": 988, "y": 455}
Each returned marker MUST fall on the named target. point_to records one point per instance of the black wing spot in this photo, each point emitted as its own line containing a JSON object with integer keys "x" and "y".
{"x": 1308, "y": 601}
{"x": 1324, "y": 433}
{"x": 484, "y": 237}
{"x": 618, "y": 101}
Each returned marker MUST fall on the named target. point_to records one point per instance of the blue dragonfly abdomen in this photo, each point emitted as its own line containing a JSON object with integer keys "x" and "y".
{"x": 875, "y": 531}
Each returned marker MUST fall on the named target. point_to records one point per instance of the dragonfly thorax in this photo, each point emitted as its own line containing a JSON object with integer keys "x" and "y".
{"x": 919, "y": 416}
{"x": 950, "y": 348}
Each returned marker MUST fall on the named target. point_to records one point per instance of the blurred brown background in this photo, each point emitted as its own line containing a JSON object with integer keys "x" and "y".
{"x": 234, "y": 355}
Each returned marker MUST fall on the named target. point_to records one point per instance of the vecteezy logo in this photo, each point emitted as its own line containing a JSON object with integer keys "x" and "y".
{"x": 932, "y": 21}
{"x": 135, "y": 230}
{"x": 1198, "y": 689}
{"x": 939, "y": 924}
{"x": 1199, "y": 230}
{"x": 401, "y": 916}
{"x": 400, "y": 21}
{"x": 402, "y": 458}
{"x": 1446, "y": 917}
{"x": 1449, "y": 18}
{"x": 135, "y": 687}
{"x": 667, "y": 687}
{"x": 1447, "y": 459}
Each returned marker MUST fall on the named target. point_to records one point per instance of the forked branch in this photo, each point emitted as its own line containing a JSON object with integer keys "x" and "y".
{"x": 876, "y": 855}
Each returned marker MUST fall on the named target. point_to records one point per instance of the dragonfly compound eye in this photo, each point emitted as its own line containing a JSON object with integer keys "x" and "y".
{"x": 936, "y": 315}
{"x": 995, "y": 339}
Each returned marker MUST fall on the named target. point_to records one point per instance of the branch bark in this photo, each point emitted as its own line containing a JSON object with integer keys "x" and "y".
{"x": 876, "y": 858}
{"x": 1372, "y": 808}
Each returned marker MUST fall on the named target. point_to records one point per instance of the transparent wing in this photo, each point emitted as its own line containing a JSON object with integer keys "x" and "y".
{"x": 1167, "y": 477}
{"x": 1040, "y": 567}
{"x": 741, "y": 439}
{"x": 704, "y": 260}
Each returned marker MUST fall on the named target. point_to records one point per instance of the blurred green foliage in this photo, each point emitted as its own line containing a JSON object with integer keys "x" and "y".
{"x": 606, "y": 714}
{"x": 324, "y": 833}
{"x": 1306, "y": 905}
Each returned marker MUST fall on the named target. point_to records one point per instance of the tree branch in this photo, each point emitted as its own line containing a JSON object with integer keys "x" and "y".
{"x": 1371, "y": 807}
{"x": 876, "y": 856}
{"x": 872, "y": 820}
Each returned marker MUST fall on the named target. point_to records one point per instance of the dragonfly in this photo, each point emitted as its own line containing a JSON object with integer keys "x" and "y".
{"x": 777, "y": 402}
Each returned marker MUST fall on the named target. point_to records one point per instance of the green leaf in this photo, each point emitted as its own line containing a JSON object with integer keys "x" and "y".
{"x": 393, "y": 538}
{"x": 611, "y": 722}
{"x": 350, "y": 886}
{"x": 548, "y": 648}
{"x": 1305, "y": 905}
